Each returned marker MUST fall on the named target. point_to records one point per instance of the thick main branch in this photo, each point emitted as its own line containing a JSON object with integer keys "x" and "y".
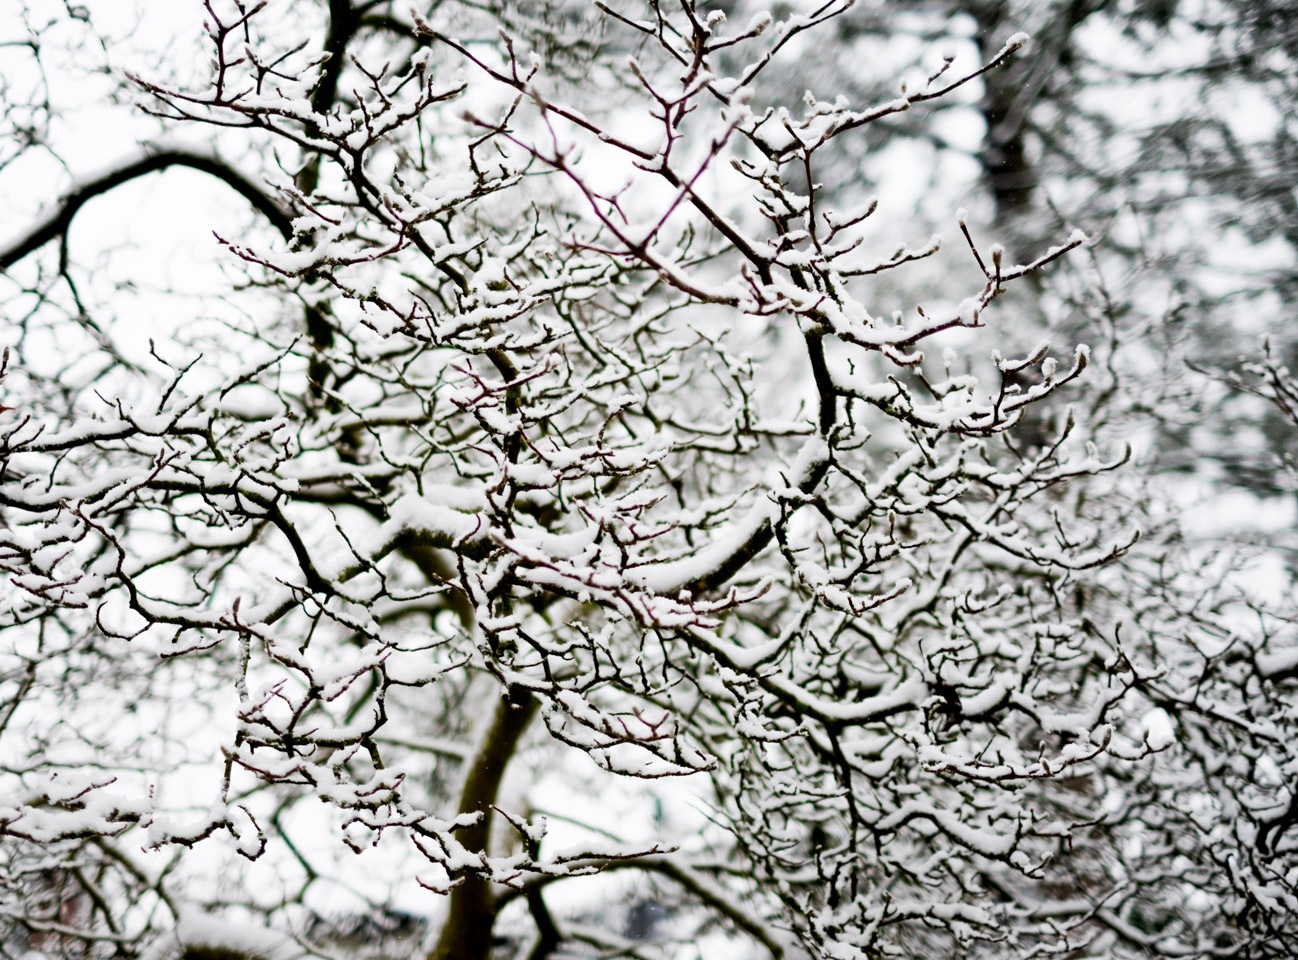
{"x": 471, "y": 912}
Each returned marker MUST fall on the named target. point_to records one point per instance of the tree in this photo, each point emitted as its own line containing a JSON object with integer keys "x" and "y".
{"x": 548, "y": 412}
{"x": 1165, "y": 130}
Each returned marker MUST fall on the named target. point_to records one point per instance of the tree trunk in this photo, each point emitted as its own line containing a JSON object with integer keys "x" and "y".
{"x": 466, "y": 935}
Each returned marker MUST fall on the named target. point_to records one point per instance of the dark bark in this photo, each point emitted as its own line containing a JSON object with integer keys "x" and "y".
{"x": 473, "y": 905}
{"x": 343, "y": 23}
{"x": 1006, "y": 169}
{"x": 58, "y": 223}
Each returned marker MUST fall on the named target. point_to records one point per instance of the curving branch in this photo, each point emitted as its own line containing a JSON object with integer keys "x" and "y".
{"x": 692, "y": 881}
{"x": 60, "y": 220}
